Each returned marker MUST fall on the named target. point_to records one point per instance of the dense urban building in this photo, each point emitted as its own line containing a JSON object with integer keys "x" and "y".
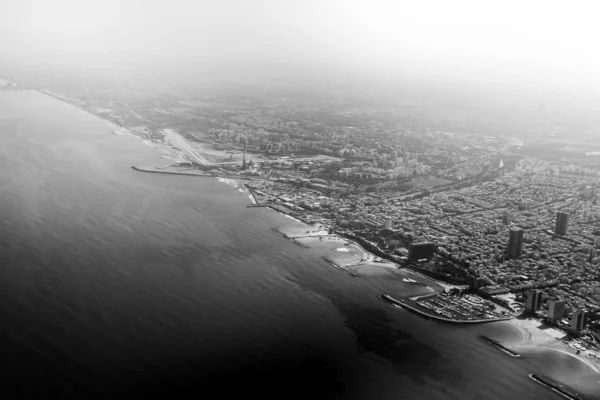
{"x": 419, "y": 251}
{"x": 562, "y": 223}
{"x": 556, "y": 310}
{"x": 515, "y": 244}
{"x": 578, "y": 321}
{"x": 534, "y": 301}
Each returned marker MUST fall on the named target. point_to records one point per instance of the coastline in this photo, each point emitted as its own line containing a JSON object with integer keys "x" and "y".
{"x": 535, "y": 337}
{"x": 434, "y": 283}
{"x": 168, "y": 134}
{"x": 110, "y": 123}
{"x": 532, "y": 335}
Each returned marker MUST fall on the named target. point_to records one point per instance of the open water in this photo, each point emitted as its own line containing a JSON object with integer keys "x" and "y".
{"x": 119, "y": 283}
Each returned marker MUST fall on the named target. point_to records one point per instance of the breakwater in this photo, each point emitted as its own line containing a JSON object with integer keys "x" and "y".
{"x": 291, "y": 239}
{"x": 338, "y": 266}
{"x": 499, "y": 346}
{"x": 280, "y": 233}
{"x": 390, "y": 299}
{"x": 191, "y": 173}
{"x": 257, "y": 203}
{"x": 299, "y": 243}
{"x": 157, "y": 171}
{"x": 405, "y": 304}
{"x": 557, "y": 387}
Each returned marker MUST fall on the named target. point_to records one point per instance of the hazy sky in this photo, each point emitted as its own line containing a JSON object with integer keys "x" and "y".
{"x": 551, "y": 41}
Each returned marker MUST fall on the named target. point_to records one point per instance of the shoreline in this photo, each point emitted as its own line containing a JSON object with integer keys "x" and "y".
{"x": 379, "y": 253}
{"x": 537, "y": 338}
{"x": 65, "y": 100}
{"x": 351, "y": 238}
{"x": 124, "y": 129}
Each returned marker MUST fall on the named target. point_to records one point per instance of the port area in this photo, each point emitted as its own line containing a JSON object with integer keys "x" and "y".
{"x": 560, "y": 388}
{"x": 459, "y": 309}
{"x": 176, "y": 169}
{"x": 499, "y": 346}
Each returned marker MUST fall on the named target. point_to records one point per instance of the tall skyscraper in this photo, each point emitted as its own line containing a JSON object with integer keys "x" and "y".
{"x": 534, "y": 301}
{"x": 515, "y": 243}
{"x": 244, "y": 159}
{"x": 506, "y": 217}
{"x": 556, "y": 310}
{"x": 562, "y": 223}
{"x": 578, "y": 321}
{"x": 388, "y": 224}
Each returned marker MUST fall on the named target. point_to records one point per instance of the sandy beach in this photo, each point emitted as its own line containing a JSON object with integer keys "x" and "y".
{"x": 541, "y": 336}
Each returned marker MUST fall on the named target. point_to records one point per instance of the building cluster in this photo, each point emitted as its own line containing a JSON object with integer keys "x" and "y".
{"x": 534, "y": 226}
{"x": 530, "y": 228}
{"x": 373, "y": 152}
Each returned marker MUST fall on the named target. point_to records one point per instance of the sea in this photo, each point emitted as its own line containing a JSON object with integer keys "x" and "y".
{"x": 118, "y": 283}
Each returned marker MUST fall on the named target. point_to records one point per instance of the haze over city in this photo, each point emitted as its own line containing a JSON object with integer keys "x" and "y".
{"x": 552, "y": 43}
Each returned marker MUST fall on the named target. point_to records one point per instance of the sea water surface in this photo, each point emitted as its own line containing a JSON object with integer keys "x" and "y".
{"x": 120, "y": 283}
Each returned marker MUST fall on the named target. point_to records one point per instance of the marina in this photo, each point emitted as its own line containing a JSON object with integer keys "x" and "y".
{"x": 439, "y": 314}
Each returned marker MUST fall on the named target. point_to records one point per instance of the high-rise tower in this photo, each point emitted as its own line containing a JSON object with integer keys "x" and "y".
{"x": 244, "y": 155}
{"x": 515, "y": 243}
{"x": 562, "y": 223}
